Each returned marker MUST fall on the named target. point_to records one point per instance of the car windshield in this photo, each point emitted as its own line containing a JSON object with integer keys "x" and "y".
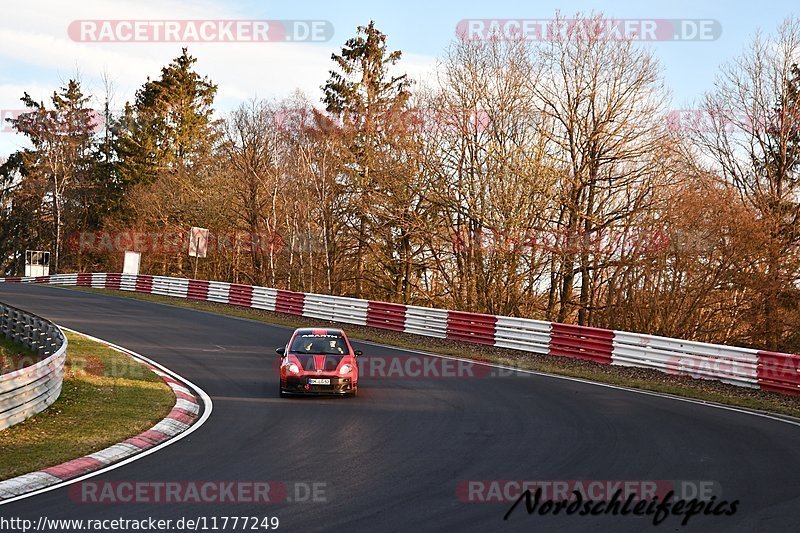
{"x": 319, "y": 344}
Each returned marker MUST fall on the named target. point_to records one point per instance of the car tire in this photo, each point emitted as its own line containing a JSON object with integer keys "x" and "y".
{"x": 354, "y": 393}
{"x": 281, "y": 393}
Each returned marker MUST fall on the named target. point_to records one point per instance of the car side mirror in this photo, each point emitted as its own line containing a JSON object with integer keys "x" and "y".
{"x": 358, "y": 352}
{"x": 280, "y": 351}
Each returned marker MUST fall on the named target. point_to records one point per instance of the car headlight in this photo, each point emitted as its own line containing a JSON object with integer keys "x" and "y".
{"x": 293, "y": 368}
{"x": 346, "y": 369}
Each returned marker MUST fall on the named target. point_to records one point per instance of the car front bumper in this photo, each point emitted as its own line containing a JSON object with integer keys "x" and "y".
{"x": 300, "y": 385}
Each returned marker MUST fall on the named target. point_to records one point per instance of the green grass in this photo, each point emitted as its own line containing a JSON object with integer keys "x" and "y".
{"x": 636, "y": 378}
{"x": 14, "y": 356}
{"x": 107, "y": 397}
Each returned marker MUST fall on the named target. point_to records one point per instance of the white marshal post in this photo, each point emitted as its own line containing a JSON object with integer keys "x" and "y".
{"x": 37, "y": 263}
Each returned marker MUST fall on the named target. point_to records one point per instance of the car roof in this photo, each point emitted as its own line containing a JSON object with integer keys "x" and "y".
{"x": 319, "y": 331}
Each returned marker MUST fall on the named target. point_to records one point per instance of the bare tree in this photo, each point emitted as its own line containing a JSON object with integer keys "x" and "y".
{"x": 252, "y": 148}
{"x": 751, "y": 137}
{"x": 605, "y": 99}
{"x": 492, "y": 185}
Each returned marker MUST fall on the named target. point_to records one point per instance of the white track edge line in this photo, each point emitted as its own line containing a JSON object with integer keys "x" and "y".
{"x": 207, "y": 408}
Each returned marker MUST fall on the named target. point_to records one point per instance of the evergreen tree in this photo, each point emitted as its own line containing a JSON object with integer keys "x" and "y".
{"x": 166, "y": 148}
{"x": 169, "y": 126}
{"x": 368, "y": 100}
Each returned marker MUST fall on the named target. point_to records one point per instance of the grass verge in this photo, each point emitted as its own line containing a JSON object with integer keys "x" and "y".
{"x": 106, "y": 398}
{"x": 637, "y": 378}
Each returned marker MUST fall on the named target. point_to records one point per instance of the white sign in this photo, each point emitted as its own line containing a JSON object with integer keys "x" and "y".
{"x": 131, "y": 264}
{"x": 198, "y": 242}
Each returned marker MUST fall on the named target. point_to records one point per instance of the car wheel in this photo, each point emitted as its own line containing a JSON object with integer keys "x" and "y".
{"x": 354, "y": 393}
{"x": 281, "y": 393}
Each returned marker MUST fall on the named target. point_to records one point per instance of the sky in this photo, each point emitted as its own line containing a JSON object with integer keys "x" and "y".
{"x": 38, "y": 52}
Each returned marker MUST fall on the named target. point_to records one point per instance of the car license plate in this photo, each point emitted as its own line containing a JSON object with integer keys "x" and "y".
{"x": 319, "y": 381}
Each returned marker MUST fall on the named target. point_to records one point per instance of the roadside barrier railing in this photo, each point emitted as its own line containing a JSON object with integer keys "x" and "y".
{"x": 745, "y": 367}
{"x": 32, "y": 388}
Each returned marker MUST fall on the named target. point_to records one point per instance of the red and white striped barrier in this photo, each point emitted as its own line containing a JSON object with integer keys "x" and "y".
{"x": 744, "y": 367}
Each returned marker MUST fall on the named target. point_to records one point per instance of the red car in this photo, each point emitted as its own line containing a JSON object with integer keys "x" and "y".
{"x": 318, "y": 361}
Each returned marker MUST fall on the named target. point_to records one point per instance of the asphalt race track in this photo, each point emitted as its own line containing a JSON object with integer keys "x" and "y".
{"x": 392, "y": 458}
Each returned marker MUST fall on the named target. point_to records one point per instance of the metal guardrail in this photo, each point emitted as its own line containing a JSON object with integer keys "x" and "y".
{"x": 31, "y": 389}
{"x": 736, "y": 366}
{"x": 744, "y": 367}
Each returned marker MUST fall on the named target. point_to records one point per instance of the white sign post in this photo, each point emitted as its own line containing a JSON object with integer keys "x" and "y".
{"x": 198, "y": 245}
{"x": 131, "y": 264}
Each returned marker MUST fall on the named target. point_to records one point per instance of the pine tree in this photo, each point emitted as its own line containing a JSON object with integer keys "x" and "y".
{"x": 169, "y": 126}
{"x": 367, "y": 99}
{"x": 166, "y": 149}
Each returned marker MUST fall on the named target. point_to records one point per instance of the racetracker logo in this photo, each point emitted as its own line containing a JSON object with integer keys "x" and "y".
{"x": 200, "y": 31}
{"x": 15, "y": 362}
{"x": 199, "y": 492}
{"x": 728, "y": 121}
{"x": 710, "y": 367}
{"x": 106, "y": 242}
{"x": 426, "y": 367}
{"x": 32, "y": 116}
{"x": 599, "y": 29}
{"x": 407, "y": 119}
{"x": 30, "y": 368}
{"x": 505, "y": 491}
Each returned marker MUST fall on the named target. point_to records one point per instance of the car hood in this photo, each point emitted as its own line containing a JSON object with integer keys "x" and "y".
{"x": 313, "y": 363}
